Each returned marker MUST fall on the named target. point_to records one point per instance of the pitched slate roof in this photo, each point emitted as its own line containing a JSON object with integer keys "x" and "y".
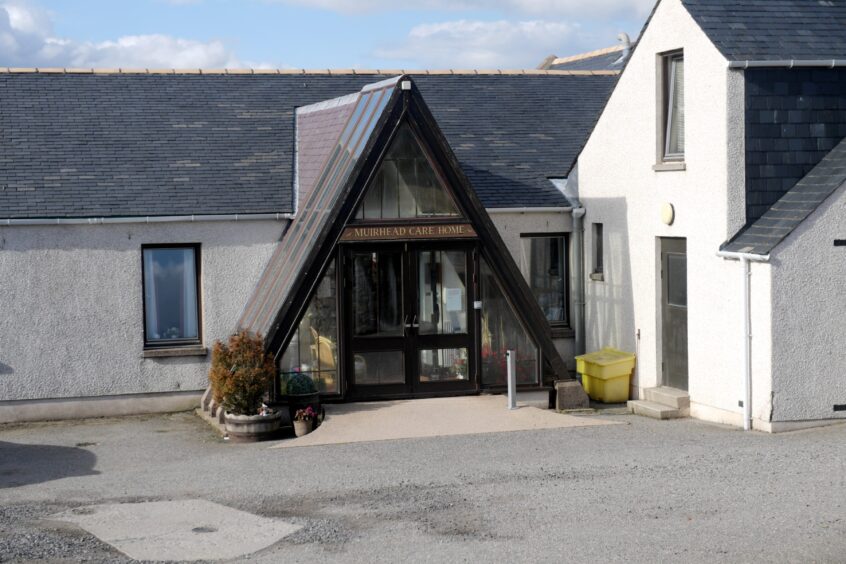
{"x": 747, "y": 30}
{"x": 88, "y": 144}
{"x": 794, "y": 207}
{"x": 602, "y": 59}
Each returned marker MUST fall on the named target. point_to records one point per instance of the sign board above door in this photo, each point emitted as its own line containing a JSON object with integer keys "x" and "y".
{"x": 398, "y": 232}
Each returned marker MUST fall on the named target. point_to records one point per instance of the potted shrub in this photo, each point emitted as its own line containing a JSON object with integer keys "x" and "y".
{"x": 300, "y": 393}
{"x": 302, "y": 421}
{"x": 240, "y": 375}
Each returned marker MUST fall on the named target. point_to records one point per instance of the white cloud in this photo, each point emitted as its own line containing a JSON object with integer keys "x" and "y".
{"x": 553, "y": 8}
{"x": 27, "y": 40}
{"x": 501, "y": 44}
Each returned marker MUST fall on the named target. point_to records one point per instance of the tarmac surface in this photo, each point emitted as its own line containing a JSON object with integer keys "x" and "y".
{"x": 641, "y": 491}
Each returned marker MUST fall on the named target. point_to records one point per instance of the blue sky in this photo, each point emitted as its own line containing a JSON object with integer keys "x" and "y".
{"x": 308, "y": 33}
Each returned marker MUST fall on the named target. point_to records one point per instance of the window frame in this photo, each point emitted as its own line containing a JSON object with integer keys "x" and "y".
{"x": 665, "y": 92}
{"x": 597, "y": 235}
{"x": 173, "y": 343}
{"x": 565, "y": 237}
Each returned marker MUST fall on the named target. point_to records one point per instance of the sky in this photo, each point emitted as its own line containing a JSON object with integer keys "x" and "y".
{"x": 312, "y": 34}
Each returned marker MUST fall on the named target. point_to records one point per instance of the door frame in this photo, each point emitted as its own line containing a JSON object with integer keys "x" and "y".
{"x": 410, "y": 342}
{"x": 670, "y": 246}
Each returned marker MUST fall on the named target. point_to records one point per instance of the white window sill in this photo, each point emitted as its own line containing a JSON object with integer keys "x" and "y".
{"x": 163, "y": 352}
{"x": 597, "y": 276}
{"x": 669, "y": 166}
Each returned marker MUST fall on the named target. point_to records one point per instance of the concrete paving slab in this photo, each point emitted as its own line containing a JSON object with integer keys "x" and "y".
{"x": 192, "y": 529}
{"x": 406, "y": 419}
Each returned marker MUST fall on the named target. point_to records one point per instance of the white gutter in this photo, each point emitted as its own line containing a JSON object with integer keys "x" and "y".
{"x": 788, "y": 63}
{"x": 745, "y": 260}
{"x": 147, "y": 219}
{"x": 529, "y": 210}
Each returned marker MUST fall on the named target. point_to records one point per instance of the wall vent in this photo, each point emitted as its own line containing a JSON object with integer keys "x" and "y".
{"x": 840, "y": 407}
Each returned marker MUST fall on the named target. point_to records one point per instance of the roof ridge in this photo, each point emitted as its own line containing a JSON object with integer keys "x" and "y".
{"x": 60, "y": 70}
{"x": 588, "y": 54}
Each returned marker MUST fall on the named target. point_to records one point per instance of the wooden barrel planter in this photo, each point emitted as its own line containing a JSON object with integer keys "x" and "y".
{"x": 253, "y": 428}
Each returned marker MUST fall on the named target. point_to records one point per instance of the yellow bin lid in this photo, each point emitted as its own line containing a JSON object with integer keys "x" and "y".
{"x": 606, "y": 356}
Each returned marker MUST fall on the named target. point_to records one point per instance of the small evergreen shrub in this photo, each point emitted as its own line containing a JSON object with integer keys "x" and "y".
{"x": 241, "y": 373}
{"x": 300, "y": 384}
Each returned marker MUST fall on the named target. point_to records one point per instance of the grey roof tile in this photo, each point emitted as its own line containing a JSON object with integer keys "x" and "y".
{"x": 773, "y": 29}
{"x": 762, "y": 236}
{"x": 82, "y": 145}
{"x": 605, "y": 61}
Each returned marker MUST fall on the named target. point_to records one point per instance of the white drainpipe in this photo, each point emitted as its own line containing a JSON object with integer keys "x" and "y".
{"x": 745, "y": 260}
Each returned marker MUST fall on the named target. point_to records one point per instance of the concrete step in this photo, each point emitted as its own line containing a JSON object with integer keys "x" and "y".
{"x": 539, "y": 399}
{"x": 653, "y": 409}
{"x": 671, "y": 397}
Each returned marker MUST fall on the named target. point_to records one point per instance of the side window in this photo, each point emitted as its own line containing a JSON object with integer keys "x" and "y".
{"x": 546, "y": 272}
{"x": 671, "y": 125}
{"x": 598, "y": 253}
{"x": 171, "y": 295}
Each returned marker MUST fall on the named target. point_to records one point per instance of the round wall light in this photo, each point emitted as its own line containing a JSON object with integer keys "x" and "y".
{"x": 668, "y": 213}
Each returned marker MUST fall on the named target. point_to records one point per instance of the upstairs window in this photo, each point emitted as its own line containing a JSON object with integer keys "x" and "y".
{"x": 171, "y": 295}
{"x": 672, "y": 128}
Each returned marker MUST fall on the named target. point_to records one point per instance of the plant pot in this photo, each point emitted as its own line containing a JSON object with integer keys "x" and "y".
{"x": 302, "y": 428}
{"x": 252, "y": 428}
{"x": 301, "y": 401}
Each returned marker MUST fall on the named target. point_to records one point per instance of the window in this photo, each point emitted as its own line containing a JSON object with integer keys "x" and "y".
{"x": 501, "y": 332}
{"x": 406, "y": 185}
{"x": 598, "y": 254}
{"x": 314, "y": 347}
{"x": 171, "y": 295}
{"x": 546, "y": 273}
{"x": 672, "y": 107}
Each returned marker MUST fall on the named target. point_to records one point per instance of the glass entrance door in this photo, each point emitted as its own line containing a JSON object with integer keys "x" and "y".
{"x": 410, "y": 320}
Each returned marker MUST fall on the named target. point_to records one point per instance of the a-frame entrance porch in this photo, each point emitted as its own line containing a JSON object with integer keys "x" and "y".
{"x": 392, "y": 281}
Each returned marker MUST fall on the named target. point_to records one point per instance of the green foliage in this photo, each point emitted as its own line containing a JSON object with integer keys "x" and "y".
{"x": 300, "y": 384}
{"x": 241, "y": 373}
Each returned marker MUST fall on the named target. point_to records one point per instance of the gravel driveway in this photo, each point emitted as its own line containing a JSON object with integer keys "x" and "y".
{"x": 680, "y": 491}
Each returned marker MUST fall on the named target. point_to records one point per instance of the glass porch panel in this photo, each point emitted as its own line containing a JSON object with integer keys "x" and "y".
{"x": 379, "y": 368}
{"x": 443, "y": 365}
{"x": 314, "y": 347}
{"x": 502, "y": 331}
{"x": 442, "y": 292}
{"x": 377, "y": 294}
{"x": 406, "y": 185}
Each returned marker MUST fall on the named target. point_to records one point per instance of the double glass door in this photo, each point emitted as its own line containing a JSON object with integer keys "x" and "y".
{"x": 409, "y": 319}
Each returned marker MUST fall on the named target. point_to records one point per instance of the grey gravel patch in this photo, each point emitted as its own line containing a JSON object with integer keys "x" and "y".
{"x": 25, "y": 536}
{"x": 327, "y": 532}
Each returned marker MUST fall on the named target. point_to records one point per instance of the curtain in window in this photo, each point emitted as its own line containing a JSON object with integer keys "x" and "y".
{"x": 675, "y": 116}
{"x": 170, "y": 294}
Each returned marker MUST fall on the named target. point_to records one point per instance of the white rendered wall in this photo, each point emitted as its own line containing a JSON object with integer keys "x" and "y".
{"x": 809, "y": 317}
{"x": 620, "y": 189}
{"x": 511, "y": 225}
{"x": 71, "y": 302}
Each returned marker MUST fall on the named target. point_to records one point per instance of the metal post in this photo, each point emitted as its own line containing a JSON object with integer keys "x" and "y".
{"x": 510, "y": 362}
{"x": 747, "y": 345}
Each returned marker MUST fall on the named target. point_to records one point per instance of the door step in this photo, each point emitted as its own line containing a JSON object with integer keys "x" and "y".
{"x": 671, "y": 397}
{"x": 662, "y": 403}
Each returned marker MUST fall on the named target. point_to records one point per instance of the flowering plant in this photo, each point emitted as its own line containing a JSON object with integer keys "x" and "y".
{"x": 306, "y": 414}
